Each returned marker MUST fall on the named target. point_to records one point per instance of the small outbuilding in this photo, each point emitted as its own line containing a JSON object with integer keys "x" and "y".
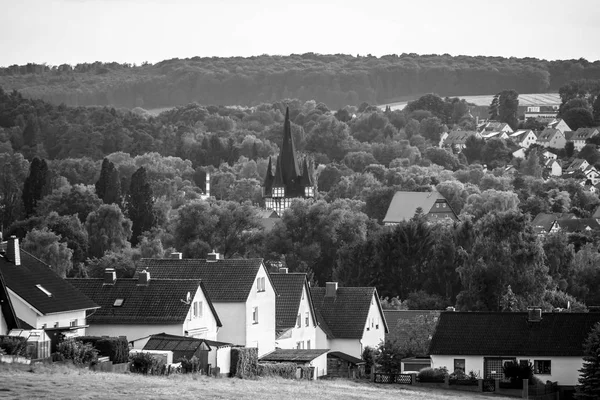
{"x": 315, "y": 358}
{"x": 342, "y": 365}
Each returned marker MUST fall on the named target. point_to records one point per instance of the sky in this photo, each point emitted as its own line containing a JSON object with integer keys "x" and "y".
{"x": 133, "y": 31}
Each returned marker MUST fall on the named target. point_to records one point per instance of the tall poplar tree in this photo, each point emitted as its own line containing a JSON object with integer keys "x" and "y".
{"x": 36, "y": 186}
{"x": 140, "y": 205}
{"x": 108, "y": 187}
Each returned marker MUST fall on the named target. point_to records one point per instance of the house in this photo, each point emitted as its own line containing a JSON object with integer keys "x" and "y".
{"x": 404, "y": 205}
{"x": 549, "y": 155}
{"x": 553, "y": 167}
{"x": 517, "y": 152}
{"x": 295, "y": 320}
{"x": 208, "y": 352}
{"x": 523, "y": 138}
{"x": 40, "y": 298}
{"x": 495, "y": 126}
{"x": 350, "y": 318}
{"x": 316, "y": 359}
{"x": 342, "y": 365}
{"x": 559, "y": 124}
{"x": 578, "y": 225}
{"x": 241, "y": 291}
{"x": 8, "y": 317}
{"x": 138, "y": 307}
{"x": 268, "y": 218}
{"x": 592, "y": 174}
{"x": 458, "y": 139}
{"x": 546, "y": 223}
{"x": 581, "y": 135}
{"x": 552, "y": 138}
{"x": 483, "y": 341}
{"x": 578, "y": 164}
{"x": 541, "y": 112}
{"x": 494, "y": 134}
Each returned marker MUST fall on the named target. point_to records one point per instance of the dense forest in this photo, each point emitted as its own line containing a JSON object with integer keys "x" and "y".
{"x": 89, "y": 187}
{"x": 336, "y": 80}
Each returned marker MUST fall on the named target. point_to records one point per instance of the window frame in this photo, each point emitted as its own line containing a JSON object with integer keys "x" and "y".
{"x": 306, "y": 319}
{"x": 538, "y": 367}
{"x": 255, "y": 315}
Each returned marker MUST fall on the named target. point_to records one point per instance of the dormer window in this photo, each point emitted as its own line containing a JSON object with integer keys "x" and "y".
{"x": 118, "y": 302}
{"x": 260, "y": 284}
{"x": 46, "y": 292}
{"x": 278, "y": 191}
{"x": 309, "y": 191}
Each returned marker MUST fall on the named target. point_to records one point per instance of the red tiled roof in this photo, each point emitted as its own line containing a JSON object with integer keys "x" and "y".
{"x": 511, "y": 334}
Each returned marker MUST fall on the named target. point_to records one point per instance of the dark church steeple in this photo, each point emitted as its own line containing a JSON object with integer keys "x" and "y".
{"x": 288, "y": 182}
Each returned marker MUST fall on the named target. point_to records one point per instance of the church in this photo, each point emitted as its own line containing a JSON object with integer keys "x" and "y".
{"x": 288, "y": 183}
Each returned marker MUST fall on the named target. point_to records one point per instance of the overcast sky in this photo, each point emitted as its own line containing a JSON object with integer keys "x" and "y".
{"x": 73, "y": 31}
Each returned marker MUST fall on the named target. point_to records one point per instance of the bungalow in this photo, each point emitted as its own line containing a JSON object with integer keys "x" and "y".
{"x": 458, "y": 139}
{"x": 559, "y": 124}
{"x": 483, "y": 341}
{"x": 138, "y": 307}
{"x": 581, "y": 135}
{"x": 8, "y": 318}
{"x": 40, "y": 298}
{"x": 241, "y": 291}
{"x": 350, "y": 318}
{"x": 404, "y": 205}
{"x": 523, "y": 138}
{"x": 295, "y": 320}
{"x": 553, "y": 167}
{"x": 316, "y": 359}
{"x": 552, "y": 138}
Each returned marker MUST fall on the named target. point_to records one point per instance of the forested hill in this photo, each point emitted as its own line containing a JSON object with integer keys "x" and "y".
{"x": 336, "y": 80}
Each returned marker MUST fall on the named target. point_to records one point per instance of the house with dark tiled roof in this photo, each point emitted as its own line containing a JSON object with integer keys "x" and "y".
{"x": 581, "y": 135}
{"x": 8, "y": 317}
{"x": 578, "y": 225}
{"x": 350, "y": 318}
{"x": 578, "y": 164}
{"x": 316, "y": 359}
{"x": 483, "y": 341}
{"x": 496, "y": 126}
{"x": 40, "y": 298}
{"x": 458, "y": 139}
{"x": 295, "y": 320}
{"x": 241, "y": 291}
{"x": 552, "y": 138}
{"x": 559, "y": 124}
{"x": 544, "y": 223}
{"x": 523, "y": 138}
{"x": 138, "y": 307}
{"x": 404, "y": 205}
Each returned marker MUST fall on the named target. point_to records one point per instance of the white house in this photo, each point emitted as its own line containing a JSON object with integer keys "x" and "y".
{"x": 552, "y": 138}
{"x": 295, "y": 319}
{"x": 581, "y": 135}
{"x": 553, "y": 167}
{"x": 549, "y": 155}
{"x": 240, "y": 290}
{"x": 483, "y": 341}
{"x": 350, "y": 318}
{"x": 142, "y": 306}
{"x": 559, "y": 124}
{"x": 578, "y": 164}
{"x": 494, "y": 134}
{"x": 592, "y": 174}
{"x": 523, "y": 138}
{"x": 40, "y": 298}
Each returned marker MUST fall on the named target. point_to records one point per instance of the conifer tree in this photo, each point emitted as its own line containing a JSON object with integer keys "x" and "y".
{"x": 36, "y": 185}
{"x": 101, "y": 184}
{"x": 589, "y": 380}
{"x": 493, "y": 108}
{"x": 108, "y": 187}
{"x": 140, "y": 205}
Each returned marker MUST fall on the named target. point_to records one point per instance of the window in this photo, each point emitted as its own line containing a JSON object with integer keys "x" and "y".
{"x": 298, "y": 324}
{"x": 443, "y": 205}
{"x": 260, "y": 284}
{"x": 542, "y": 367}
{"x": 306, "y": 320}
{"x": 308, "y": 344}
{"x": 73, "y": 322}
{"x": 255, "y": 315}
{"x": 437, "y": 205}
{"x": 118, "y": 302}
{"x": 47, "y": 293}
{"x": 459, "y": 364}
{"x": 200, "y": 309}
{"x": 299, "y": 345}
{"x": 195, "y": 309}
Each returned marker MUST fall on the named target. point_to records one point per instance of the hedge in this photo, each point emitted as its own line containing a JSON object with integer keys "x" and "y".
{"x": 284, "y": 370}
{"x": 14, "y": 345}
{"x": 244, "y": 362}
{"x": 115, "y": 348}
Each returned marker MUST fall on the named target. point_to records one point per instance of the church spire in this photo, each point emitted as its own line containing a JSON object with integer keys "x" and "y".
{"x": 307, "y": 179}
{"x": 269, "y": 177}
{"x": 287, "y": 157}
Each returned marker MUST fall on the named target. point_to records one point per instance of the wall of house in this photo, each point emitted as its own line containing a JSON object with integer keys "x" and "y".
{"x": 261, "y": 334}
{"x": 204, "y": 325}
{"x": 304, "y": 333}
{"x": 320, "y": 364}
{"x": 558, "y": 141}
{"x": 3, "y": 327}
{"x": 233, "y": 318}
{"x": 374, "y": 330}
{"x": 132, "y": 331}
{"x": 223, "y": 360}
{"x": 348, "y": 346}
{"x": 23, "y": 310}
{"x": 321, "y": 339}
{"x": 472, "y": 363}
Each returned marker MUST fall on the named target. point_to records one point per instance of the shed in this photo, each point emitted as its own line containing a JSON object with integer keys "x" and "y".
{"x": 315, "y": 358}
{"x": 342, "y": 365}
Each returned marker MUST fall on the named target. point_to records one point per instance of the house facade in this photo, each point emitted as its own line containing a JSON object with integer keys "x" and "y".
{"x": 552, "y": 138}
{"x": 458, "y": 139}
{"x": 559, "y": 124}
{"x": 404, "y": 205}
{"x": 241, "y": 291}
{"x": 483, "y": 341}
{"x": 350, "y": 318}
{"x": 40, "y": 298}
{"x": 553, "y": 167}
{"x": 523, "y": 138}
{"x": 142, "y": 306}
{"x": 295, "y": 320}
{"x": 581, "y": 135}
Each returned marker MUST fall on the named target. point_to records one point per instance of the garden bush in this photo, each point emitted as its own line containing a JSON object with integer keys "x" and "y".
{"x": 115, "y": 348}
{"x": 432, "y": 374}
{"x": 189, "y": 366}
{"x": 244, "y": 362}
{"x": 77, "y": 351}
{"x": 14, "y": 345}
{"x": 284, "y": 370}
{"x": 516, "y": 372}
{"x": 146, "y": 363}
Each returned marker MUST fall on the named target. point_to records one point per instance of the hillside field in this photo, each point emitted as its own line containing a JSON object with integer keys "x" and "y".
{"x": 62, "y": 382}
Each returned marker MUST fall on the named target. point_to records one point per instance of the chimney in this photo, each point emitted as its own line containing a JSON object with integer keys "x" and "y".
{"x": 144, "y": 278}
{"x": 213, "y": 256}
{"x": 331, "y": 289}
{"x": 177, "y": 255}
{"x": 13, "y": 253}
{"x": 283, "y": 270}
{"x": 534, "y": 314}
{"x": 110, "y": 276}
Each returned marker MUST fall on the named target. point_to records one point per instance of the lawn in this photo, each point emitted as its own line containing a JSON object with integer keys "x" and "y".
{"x": 62, "y": 382}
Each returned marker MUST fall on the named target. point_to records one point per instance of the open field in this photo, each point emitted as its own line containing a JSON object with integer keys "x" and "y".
{"x": 533, "y": 99}
{"x": 63, "y": 382}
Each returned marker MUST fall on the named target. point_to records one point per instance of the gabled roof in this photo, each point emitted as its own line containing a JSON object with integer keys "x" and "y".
{"x": 345, "y": 314}
{"x": 33, "y": 280}
{"x": 543, "y": 222}
{"x": 6, "y": 308}
{"x": 289, "y": 287}
{"x": 459, "y": 137}
{"x": 345, "y": 357}
{"x": 226, "y": 280}
{"x": 293, "y": 355}
{"x": 547, "y": 134}
{"x": 404, "y": 205}
{"x": 579, "y": 225}
{"x": 511, "y": 334}
{"x": 495, "y": 126}
{"x": 164, "y": 341}
{"x": 577, "y": 164}
{"x": 521, "y": 135}
{"x": 584, "y": 133}
{"x": 596, "y": 214}
{"x": 162, "y": 301}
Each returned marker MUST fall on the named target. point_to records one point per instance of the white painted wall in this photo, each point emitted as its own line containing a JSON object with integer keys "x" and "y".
{"x": 320, "y": 364}
{"x": 348, "y": 346}
{"x": 3, "y": 326}
{"x": 203, "y": 326}
{"x": 223, "y": 360}
{"x": 233, "y": 319}
{"x": 374, "y": 330}
{"x": 321, "y": 338}
{"x": 565, "y": 370}
{"x": 133, "y": 332}
{"x": 261, "y": 334}
{"x": 303, "y": 333}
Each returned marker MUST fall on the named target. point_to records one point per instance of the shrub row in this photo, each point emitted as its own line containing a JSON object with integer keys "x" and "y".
{"x": 13, "y": 345}
{"x": 244, "y": 362}
{"x": 145, "y": 363}
{"x": 115, "y": 348}
{"x": 77, "y": 351}
{"x": 432, "y": 374}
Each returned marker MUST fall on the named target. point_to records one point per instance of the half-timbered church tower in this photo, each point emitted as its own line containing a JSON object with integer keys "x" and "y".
{"x": 287, "y": 183}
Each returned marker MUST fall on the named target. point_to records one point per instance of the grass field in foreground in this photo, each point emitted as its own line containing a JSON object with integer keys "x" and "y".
{"x": 63, "y": 382}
